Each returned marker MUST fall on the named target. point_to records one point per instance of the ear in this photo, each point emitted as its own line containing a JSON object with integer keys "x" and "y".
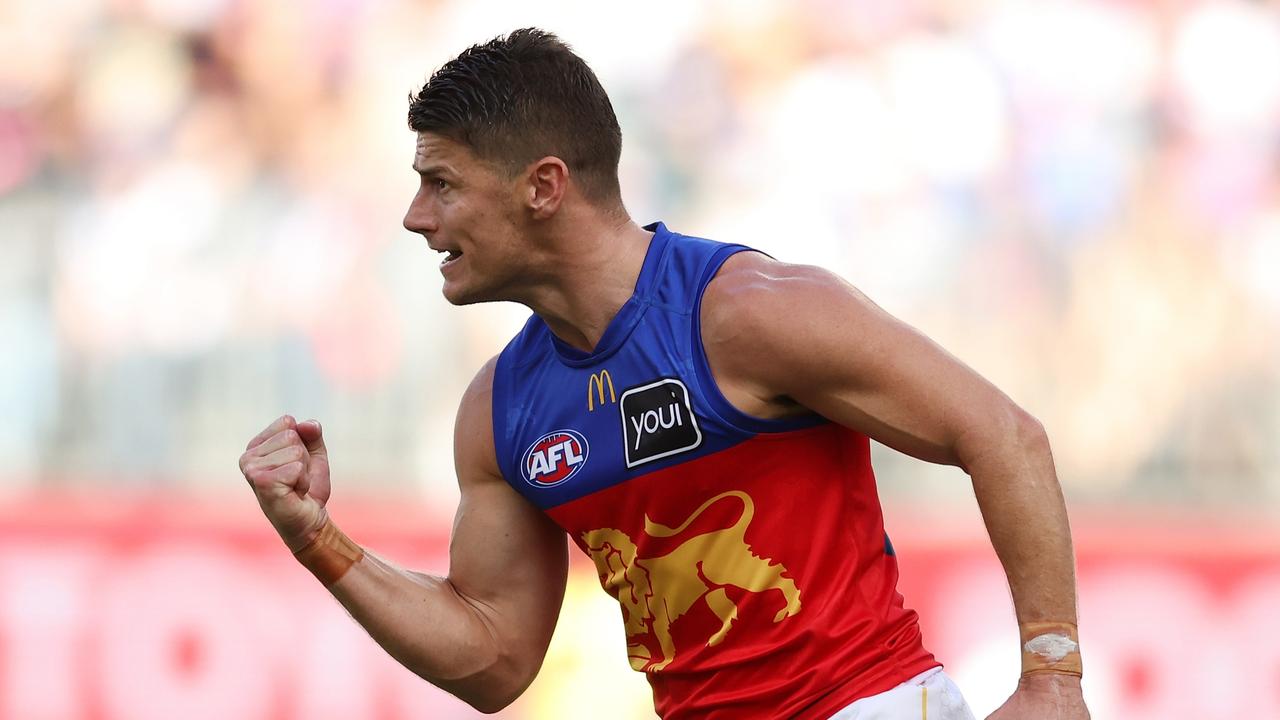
{"x": 548, "y": 182}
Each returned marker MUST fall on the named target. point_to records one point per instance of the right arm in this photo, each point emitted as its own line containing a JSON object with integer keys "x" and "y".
{"x": 480, "y": 632}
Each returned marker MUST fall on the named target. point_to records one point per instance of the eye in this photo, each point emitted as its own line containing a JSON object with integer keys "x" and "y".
{"x": 440, "y": 184}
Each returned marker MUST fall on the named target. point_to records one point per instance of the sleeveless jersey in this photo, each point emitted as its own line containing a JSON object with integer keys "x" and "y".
{"x": 748, "y": 555}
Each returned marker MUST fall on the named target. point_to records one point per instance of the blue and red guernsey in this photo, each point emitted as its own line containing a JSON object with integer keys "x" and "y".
{"x": 749, "y": 556}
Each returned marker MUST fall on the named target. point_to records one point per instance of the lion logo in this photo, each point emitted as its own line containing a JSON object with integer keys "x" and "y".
{"x": 655, "y": 591}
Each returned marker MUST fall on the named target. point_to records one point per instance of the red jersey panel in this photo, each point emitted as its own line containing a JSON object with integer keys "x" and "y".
{"x": 730, "y": 604}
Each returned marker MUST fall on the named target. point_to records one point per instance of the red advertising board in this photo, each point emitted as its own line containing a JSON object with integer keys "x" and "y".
{"x": 176, "y": 608}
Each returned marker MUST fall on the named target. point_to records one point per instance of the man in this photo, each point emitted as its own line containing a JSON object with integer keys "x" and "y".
{"x": 695, "y": 416}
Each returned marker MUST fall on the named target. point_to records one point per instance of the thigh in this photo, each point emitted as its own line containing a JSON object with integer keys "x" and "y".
{"x": 928, "y": 696}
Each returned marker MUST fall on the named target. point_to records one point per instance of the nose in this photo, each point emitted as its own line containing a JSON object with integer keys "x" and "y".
{"x": 420, "y": 218}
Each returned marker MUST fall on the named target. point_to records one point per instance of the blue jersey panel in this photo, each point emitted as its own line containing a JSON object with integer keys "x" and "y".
{"x": 568, "y": 423}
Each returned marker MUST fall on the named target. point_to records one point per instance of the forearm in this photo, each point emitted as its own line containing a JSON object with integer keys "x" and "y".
{"x": 1022, "y": 505}
{"x": 432, "y": 629}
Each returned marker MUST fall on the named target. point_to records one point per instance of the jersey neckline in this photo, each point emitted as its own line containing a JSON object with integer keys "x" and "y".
{"x": 628, "y": 316}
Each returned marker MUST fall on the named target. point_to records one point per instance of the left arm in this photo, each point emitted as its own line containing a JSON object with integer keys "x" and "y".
{"x": 783, "y": 338}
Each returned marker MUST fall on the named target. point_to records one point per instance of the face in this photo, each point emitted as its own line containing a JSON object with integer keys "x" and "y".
{"x": 468, "y": 211}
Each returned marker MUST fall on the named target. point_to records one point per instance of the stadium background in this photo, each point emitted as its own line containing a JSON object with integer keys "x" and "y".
{"x": 200, "y": 206}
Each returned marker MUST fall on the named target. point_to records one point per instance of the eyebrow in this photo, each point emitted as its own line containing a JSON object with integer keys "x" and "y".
{"x": 434, "y": 170}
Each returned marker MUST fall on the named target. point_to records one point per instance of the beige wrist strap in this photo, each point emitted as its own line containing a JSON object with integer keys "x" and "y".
{"x": 330, "y": 555}
{"x": 1050, "y": 647}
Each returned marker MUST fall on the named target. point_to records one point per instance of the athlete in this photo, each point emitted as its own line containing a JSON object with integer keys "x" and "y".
{"x": 696, "y": 418}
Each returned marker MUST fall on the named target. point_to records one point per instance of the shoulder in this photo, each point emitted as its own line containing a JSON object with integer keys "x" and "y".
{"x": 481, "y": 386}
{"x": 780, "y": 327}
{"x": 769, "y": 327}
{"x": 473, "y": 430}
{"x": 752, "y": 279}
{"x": 756, "y": 301}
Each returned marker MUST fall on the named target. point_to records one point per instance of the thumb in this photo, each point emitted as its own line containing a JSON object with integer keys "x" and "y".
{"x": 312, "y": 437}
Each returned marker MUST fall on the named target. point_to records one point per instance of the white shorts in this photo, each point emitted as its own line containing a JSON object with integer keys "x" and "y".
{"x": 928, "y": 696}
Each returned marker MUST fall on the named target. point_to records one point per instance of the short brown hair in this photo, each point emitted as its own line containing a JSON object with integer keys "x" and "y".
{"x": 517, "y": 98}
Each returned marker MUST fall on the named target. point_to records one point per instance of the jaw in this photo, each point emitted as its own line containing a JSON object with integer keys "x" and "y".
{"x": 466, "y": 284}
{"x": 457, "y": 291}
{"x": 461, "y": 288}
{"x": 458, "y": 296}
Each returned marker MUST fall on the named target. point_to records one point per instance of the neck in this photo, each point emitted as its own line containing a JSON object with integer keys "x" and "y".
{"x": 590, "y": 274}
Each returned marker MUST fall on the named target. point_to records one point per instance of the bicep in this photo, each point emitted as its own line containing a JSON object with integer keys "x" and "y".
{"x": 506, "y": 556}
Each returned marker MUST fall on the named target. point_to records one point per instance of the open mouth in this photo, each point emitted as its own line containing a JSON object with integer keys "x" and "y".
{"x": 450, "y": 256}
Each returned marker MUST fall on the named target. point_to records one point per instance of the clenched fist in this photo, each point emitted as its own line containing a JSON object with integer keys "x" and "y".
{"x": 287, "y": 466}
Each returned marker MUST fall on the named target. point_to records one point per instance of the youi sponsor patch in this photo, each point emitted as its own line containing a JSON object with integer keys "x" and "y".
{"x": 554, "y": 458}
{"x": 658, "y": 421}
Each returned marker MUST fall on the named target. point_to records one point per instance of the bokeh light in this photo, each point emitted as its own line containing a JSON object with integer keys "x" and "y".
{"x": 200, "y": 208}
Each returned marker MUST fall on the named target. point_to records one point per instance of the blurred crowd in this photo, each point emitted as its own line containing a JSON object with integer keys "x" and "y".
{"x": 200, "y": 205}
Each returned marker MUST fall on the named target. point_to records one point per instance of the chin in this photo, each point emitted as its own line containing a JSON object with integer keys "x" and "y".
{"x": 458, "y": 294}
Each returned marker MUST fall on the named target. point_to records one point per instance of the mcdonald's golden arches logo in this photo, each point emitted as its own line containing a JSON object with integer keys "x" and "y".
{"x": 595, "y": 389}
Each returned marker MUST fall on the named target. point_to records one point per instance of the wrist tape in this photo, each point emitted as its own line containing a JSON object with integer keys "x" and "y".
{"x": 330, "y": 555}
{"x": 1050, "y": 647}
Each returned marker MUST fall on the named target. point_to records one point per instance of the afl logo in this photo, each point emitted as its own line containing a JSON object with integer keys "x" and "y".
{"x": 554, "y": 458}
